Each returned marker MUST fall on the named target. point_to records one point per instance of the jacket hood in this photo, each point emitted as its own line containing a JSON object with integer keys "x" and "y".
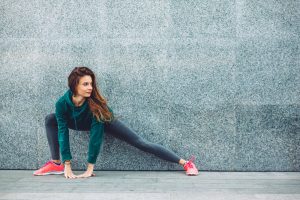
{"x": 75, "y": 109}
{"x": 68, "y": 98}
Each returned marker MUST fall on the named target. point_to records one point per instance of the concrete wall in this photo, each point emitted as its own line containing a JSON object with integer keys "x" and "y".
{"x": 218, "y": 79}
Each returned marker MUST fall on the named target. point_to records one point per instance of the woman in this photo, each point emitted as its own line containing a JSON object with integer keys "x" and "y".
{"x": 83, "y": 108}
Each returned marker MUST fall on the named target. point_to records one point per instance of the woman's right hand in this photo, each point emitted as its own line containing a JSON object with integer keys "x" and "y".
{"x": 68, "y": 172}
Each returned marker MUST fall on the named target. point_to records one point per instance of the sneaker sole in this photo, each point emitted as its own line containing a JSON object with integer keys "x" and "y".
{"x": 192, "y": 174}
{"x": 49, "y": 173}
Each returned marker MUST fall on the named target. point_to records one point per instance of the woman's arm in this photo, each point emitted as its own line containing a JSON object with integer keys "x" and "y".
{"x": 96, "y": 139}
{"x": 63, "y": 131}
{"x": 63, "y": 138}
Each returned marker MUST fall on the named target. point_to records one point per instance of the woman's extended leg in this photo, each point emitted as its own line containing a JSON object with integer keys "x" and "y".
{"x": 119, "y": 130}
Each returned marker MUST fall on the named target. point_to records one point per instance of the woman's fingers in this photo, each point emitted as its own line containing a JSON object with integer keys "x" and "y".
{"x": 82, "y": 175}
{"x": 70, "y": 176}
{"x": 85, "y": 175}
{"x": 79, "y": 176}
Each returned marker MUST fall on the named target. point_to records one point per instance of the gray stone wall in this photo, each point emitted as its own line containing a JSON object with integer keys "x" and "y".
{"x": 216, "y": 79}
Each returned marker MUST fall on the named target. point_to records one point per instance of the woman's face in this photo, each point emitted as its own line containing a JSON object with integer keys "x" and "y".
{"x": 84, "y": 88}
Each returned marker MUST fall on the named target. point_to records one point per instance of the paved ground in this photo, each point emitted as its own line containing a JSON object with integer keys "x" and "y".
{"x": 154, "y": 185}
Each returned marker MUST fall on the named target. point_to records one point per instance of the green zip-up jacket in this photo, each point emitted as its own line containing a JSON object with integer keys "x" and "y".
{"x": 81, "y": 118}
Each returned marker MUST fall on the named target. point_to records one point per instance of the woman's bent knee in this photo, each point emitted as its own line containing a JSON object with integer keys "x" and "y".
{"x": 50, "y": 119}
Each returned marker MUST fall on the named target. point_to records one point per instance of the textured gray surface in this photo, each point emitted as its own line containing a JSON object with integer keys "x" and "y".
{"x": 216, "y": 79}
{"x": 21, "y": 184}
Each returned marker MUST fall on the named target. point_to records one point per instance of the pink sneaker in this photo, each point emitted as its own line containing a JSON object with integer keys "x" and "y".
{"x": 49, "y": 168}
{"x": 190, "y": 167}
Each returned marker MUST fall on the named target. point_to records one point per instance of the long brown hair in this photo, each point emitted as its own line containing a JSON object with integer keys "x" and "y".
{"x": 97, "y": 103}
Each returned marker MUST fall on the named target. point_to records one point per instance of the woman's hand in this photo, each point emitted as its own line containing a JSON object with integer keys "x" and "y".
{"x": 88, "y": 172}
{"x": 68, "y": 171}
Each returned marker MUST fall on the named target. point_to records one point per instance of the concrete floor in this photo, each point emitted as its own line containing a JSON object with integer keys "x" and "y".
{"x": 21, "y": 184}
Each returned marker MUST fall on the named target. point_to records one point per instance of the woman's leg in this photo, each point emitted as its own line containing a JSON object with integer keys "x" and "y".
{"x": 54, "y": 166}
{"x": 52, "y": 136}
{"x": 119, "y": 130}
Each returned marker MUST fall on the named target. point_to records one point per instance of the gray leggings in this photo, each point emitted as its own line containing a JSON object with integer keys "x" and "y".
{"x": 117, "y": 129}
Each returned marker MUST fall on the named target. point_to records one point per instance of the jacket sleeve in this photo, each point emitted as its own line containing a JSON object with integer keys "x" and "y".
{"x": 96, "y": 139}
{"x": 63, "y": 131}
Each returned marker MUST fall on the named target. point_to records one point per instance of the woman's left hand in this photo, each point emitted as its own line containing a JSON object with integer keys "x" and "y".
{"x": 88, "y": 172}
{"x": 86, "y": 175}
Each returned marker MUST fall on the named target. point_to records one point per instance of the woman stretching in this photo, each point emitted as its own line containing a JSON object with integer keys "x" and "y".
{"x": 83, "y": 108}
